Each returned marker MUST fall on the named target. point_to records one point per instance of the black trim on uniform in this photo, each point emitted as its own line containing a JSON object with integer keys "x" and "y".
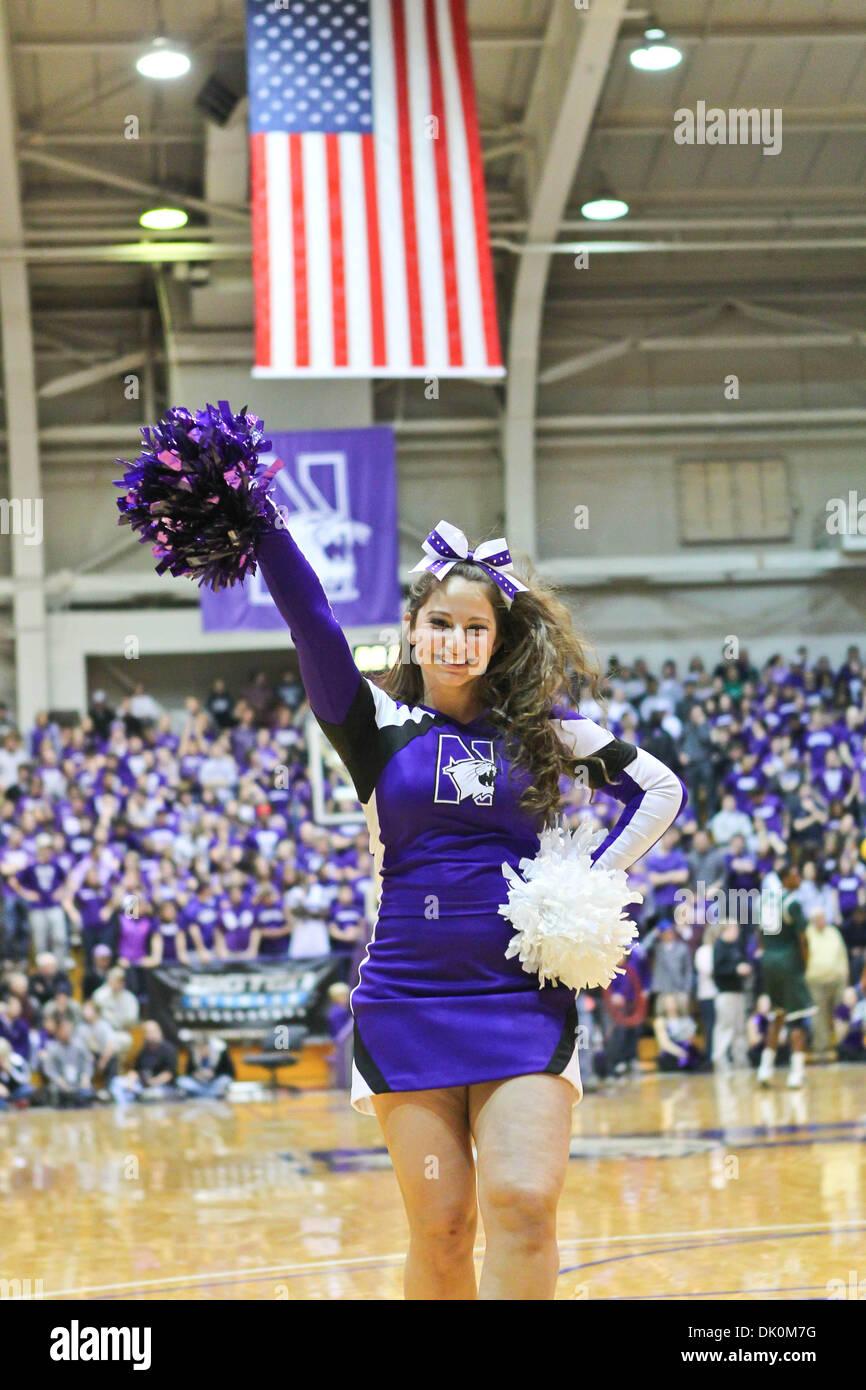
{"x": 364, "y": 746}
{"x": 566, "y": 1045}
{"x": 608, "y": 764}
{"x": 367, "y": 1067}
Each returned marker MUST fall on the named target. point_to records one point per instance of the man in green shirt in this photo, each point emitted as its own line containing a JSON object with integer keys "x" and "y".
{"x": 784, "y": 957}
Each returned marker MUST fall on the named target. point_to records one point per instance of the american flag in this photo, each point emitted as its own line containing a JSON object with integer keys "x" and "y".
{"x": 371, "y": 252}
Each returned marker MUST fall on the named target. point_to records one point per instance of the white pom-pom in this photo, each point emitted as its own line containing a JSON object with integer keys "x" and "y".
{"x": 567, "y": 914}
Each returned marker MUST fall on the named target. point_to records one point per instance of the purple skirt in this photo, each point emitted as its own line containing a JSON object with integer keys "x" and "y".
{"x": 437, "y": 1004}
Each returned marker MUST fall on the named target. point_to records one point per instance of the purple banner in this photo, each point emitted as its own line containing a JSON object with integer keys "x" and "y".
{"x": 338, "y": 492}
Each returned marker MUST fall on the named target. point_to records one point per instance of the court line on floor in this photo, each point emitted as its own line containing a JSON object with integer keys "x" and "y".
{"x": 301, "y": 1268}
{"x": 750, "y": 1239}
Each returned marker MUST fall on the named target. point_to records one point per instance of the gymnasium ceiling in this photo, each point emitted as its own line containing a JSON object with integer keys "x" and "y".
{"x": 766, "y": 255}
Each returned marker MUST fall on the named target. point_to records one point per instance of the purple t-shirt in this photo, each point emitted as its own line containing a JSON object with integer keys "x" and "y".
{"x": 664, "y": 894}
{"x": 90, "y": 902}
{"x": 43, "y": 879}
{"x": 134, "y": 933}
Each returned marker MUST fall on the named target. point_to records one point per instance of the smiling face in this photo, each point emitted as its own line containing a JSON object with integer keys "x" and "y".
{"x": 454, "y": 635}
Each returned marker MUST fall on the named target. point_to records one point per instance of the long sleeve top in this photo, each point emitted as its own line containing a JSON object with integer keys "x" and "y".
{"x": 369, "y": 729}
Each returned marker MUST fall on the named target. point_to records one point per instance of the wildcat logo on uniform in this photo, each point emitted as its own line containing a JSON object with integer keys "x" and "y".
{"x": 464, "y": 770}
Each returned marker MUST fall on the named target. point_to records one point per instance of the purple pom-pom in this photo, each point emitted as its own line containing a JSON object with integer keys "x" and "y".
{"x": 196, "y": 495}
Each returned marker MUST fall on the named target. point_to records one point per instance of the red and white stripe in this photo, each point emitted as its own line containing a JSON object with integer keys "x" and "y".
{"x": 371, "y": 253}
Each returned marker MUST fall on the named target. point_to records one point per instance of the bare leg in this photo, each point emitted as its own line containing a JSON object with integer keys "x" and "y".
{"x": 427, "y": 1134}
{"x": 522, "y": 1129}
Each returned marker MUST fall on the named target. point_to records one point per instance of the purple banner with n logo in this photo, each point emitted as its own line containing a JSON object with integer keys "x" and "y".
{"x": 338, "y": 493}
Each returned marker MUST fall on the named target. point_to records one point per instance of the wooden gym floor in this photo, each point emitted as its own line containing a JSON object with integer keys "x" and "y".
{"x": 678, "y": 1187}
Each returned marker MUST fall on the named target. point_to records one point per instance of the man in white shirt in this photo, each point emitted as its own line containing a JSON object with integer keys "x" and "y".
{"x": 119, "y": 1007}
{"x": 729, "y": 822}
{"x": 12, "y": 755}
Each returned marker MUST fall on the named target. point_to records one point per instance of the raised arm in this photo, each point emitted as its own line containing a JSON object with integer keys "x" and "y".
{"x": 653, "y": 795}
{"x": 341, "y": 699}
{"x": 330, "y": 676}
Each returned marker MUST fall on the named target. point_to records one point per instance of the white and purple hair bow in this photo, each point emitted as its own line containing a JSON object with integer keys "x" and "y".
{"x": 446, "y": 544}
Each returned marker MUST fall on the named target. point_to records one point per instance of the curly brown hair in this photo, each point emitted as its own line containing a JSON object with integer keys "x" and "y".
{"x": 537, "y": 664}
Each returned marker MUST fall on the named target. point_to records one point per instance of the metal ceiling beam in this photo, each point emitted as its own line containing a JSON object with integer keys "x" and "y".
{"x": 90, "y": 376}
{"x": 22, "y": 424}
{"x": 94, "y": 174}
{"x": 567, "y": 85}
{"x": 608, "y": 352}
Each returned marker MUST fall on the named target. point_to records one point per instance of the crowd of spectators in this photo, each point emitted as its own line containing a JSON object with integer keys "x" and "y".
{"x": 774, "y": 760}
{"x": 134, "y": 837}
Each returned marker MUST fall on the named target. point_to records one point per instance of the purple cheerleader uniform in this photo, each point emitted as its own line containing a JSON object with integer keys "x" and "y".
{"x": 437, "y": 1003}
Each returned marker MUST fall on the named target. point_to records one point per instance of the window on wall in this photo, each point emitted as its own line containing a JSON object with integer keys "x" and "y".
{"x": 733, "y": 500}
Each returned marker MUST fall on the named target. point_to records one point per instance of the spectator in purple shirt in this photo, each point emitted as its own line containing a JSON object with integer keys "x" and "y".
{"x": 42, "y": 885}
{"x": 167, "y": 940}
{"x": 668, "y": 870}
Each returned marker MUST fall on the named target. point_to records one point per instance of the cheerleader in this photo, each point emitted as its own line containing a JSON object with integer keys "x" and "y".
{"x": 456, "y": 756}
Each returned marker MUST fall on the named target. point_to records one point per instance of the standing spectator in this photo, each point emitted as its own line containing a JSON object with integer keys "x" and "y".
{"x": 143, "y": 707}
{"x": 101, "y": 714}
{"x": 220, "y": 705}
{"x": 672, "y": 965}
{"x": 729, "y": 822}
{"x": 12, "y": 755}
{"x": 154, "y": 1070}
{"x": 209, "y": 1069}
{"x": 16, "y": 918}
{"x": 346, "y": 928}
{"x": 706, "y": 986}
{"x": 274, "y": 923}
{"x": 668, "y": 871}
{"x": 42, "y": 885}
{"x": 97, "y": 975}
{"x": 68, "y": 1068}
{"x": 656, "y": 739}
{"x": 827, "y": 978}
{"x": 696, "y": 757}
{"x": 730, "y": 973}
{"x": 89, "y": 908}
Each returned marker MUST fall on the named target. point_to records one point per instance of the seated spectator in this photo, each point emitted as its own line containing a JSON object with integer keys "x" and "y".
{"x": 103, "y": 1044}
{"x": 827, "y": 978}
{"x": 850, "y": 1026}
{"x": 63, "y": 1006}
{"x": 15, "y": 1087}
{"x": 68, "y": 1068}
{"x": 46, "y": 979}
{"x": 675, "y": 1032}
{"x": 154, "y": 1070}
{"x": 729, "y": 822}
{"x": 757, "y": 1029}
{"x": 119, "y": 1007}
{"x": 339, "y": 1012}
{"x": 209, "y": 1069}
{"x": 14, "y": 1027}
